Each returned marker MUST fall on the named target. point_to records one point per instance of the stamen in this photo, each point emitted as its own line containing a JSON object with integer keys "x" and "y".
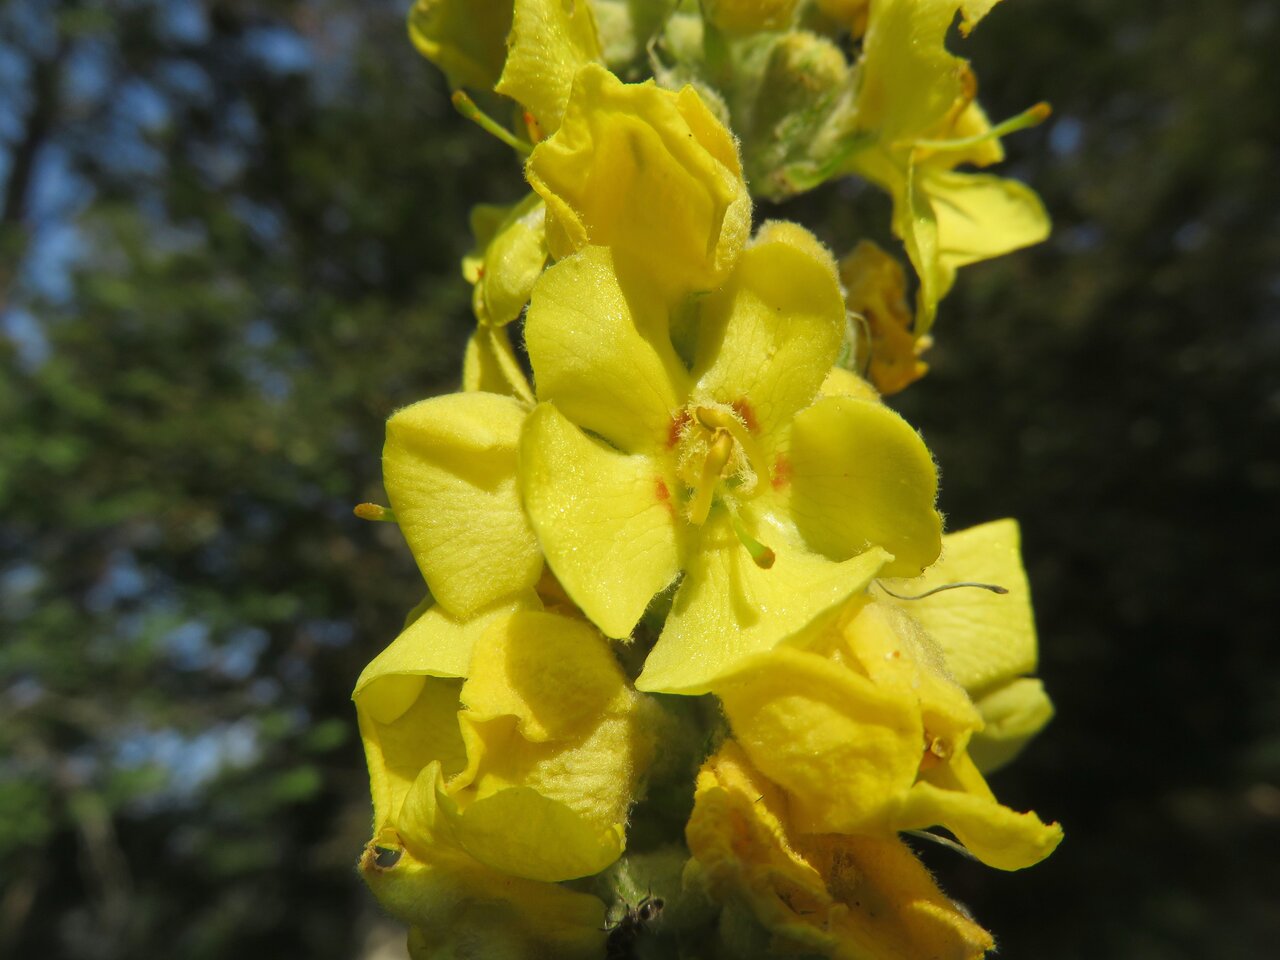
{"x": 761, "y": 554}
{"x": 1032, "y": 116}
{"x": 714, "y": 418}
{"x": 719, "y": 454}
{"x": 467, "y": 107}
{"x": 371, "y": 511}
{"x": 993, "y": 587}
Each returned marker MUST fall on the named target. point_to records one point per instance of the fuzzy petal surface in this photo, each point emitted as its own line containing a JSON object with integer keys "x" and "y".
{"x": 449, "y": 466}
{"x": 987, "y": 639}
{"x": 550, "y": 41}
{"x": 863, "y": 477}
{"x": 846, "y": 897}
{"x": 556, "y": 675}
{"x": 1011, "y": 716}
{"x": 727, "y": 608}
{"x": 601, "y": 351}
{"x": 422, "y": 732}
{"x": 996, "y": 835}
{"x": 649, "y": 173}
{"x": 769, "y": 336}
{"x": 607, "y": 530}
{"x": 844, "y": 747}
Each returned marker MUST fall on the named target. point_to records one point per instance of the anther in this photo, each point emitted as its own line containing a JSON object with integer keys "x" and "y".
{"x": 372, "y": 511}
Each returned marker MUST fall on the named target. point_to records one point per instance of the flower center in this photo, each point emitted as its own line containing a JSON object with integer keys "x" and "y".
{"x": 719, "y": 459}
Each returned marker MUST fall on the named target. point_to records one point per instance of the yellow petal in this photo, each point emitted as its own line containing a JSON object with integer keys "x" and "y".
{"x": 550, "y": 41}
{"x": 489, "y": 365}
{"x": 464, "y": 38}
{"x": 593, "y": 774}
{"x": 557, "y": 676}
{"x": 980, "y": 216}
{"x": 513, "y": 255}
{"x": 987, "y": 639}
{"x": 1011, "y": 715}
{"x": 521, "y": 832}
{"x": 651, "y": 174}
{"x": 768, "y": 337}
{"x": 843, "y": 747}
{"x": 422, "y": 731}
{"x": 845, "y": 383}
{"x": 605, "y": 520}
{"x": 455, "y": 904}
{"x": 434, "y": 644}
{"x": 972, "y": 11}
{"x": 996, "y": 835}
{"x": 727, "y": 608}
{"x": 909, "y": 82}
{"x": 843, "y": 897}
{"x": 602, "y": 353}
{"x": 549, "y": 810}
{"x": 449, "y": 469}
{"x": 862, "y": 477}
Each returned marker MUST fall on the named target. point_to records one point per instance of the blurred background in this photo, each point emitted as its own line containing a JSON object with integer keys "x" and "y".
{"x": 229, "y": 234}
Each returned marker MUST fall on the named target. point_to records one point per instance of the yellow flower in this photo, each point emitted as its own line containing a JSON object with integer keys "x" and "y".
{"x": 917, "y": 100}
{"x": 987, "y": 640}
{"x": 651, "y": 174}
{"x": 868, "y": 735}
{"x": 777, "y": 503}
{"x": 530, "y": 765}
{"x": 492, "y": 788}
{"x": 528, "y": 50}
{"x": 846, "y": 897}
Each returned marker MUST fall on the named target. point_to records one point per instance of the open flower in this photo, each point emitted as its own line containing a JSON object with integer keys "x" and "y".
{"x": 494, "y": 787}
{"x": 846, "y": 897}
{"x": 917, "y": 102}
{"x": 777, "y": 503}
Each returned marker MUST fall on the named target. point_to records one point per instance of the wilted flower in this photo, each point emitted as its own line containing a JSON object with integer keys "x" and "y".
{"x": 846, "y": 897}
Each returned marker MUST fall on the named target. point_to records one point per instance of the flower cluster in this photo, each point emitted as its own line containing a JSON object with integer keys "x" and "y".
{"x": 697, "y": 652}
